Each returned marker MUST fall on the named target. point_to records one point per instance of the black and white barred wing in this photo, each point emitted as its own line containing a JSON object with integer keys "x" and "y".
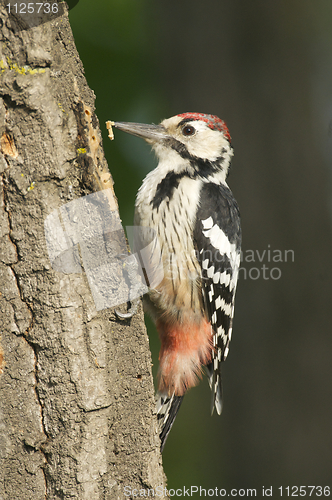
{"x": 218, "y": 239}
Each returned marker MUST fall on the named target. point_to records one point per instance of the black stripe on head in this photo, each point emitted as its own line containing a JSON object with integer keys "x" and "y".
{"x": 202, "y": 167}
{"x": 185, "y": 120}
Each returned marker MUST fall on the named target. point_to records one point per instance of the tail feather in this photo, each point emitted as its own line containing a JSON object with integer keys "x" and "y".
{"x": 215, "y": 383}
{"x": 167, "y": 409}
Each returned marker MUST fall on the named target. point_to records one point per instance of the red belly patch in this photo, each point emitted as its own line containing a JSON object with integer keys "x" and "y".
{"x": 184, "y": 349}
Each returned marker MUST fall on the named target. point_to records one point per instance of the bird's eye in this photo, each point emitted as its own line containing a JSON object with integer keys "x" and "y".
{"x": 188, "y": 130}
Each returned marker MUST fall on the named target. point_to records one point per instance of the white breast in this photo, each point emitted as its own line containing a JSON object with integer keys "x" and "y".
{"x": 173, "y": 223}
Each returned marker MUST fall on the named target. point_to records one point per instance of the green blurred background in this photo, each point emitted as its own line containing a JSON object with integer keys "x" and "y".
{"x": 265, "y": 67}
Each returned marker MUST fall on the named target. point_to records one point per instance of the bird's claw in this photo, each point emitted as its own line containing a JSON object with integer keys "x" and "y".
{"x": 132, "y": 311}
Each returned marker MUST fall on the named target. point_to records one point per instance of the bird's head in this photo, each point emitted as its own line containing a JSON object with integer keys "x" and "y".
{"x": 198, "y": 138}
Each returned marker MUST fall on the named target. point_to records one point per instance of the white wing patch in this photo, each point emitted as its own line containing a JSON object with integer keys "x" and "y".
{"x": 219, "y": 240}
{"x": 207, "y": 223}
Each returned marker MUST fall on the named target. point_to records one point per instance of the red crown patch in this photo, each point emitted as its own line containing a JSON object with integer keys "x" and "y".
{"x": 213, "y": 121}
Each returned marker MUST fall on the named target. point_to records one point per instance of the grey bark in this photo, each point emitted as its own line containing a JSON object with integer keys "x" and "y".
{"x": 77, "y": 407}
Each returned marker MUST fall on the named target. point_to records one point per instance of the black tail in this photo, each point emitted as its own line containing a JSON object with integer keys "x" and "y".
{"x": 167, "y": 409}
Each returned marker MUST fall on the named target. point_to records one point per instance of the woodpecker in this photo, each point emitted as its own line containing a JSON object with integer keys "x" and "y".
{"x": 187, "y": 203}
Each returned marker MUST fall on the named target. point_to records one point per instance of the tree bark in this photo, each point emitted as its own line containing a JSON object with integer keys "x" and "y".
{"x": 77, "y": 416}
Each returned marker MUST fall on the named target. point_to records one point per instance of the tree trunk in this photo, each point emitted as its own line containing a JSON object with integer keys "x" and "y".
{"x": 77, "y": 406}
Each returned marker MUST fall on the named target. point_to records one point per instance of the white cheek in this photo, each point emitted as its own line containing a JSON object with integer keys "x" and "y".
{"x": 207, "y": 144}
